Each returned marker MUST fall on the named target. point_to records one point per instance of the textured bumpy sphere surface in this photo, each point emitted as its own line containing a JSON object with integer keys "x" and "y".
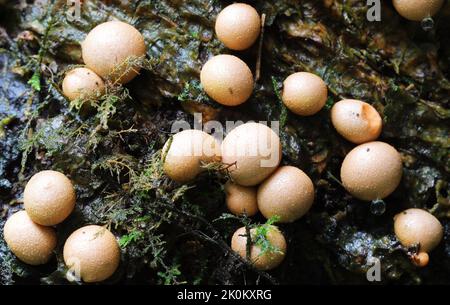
{"x": 82, "y": 82}
{"x": 241, "y": 200}
{"x": 30, "y": 242}
{"x": 356, "y": 121}
{"x": 416, "y": 226}
{"x": 416, "y": 10}
{"x": 287, "y": 193}
{"x": 227, "y": 80}
{"x": 188, "y": 151}
{"x": 304, "y": 93}
{"x": 253, "y": 152}
{"x": 49, "y": 197}
{"x": 93, "y": 251}
{"x": 268, "y": 260}
{"x": 238, "y": 26}
{"x": 109, "y": 45}
{"x": 372, "y": 171}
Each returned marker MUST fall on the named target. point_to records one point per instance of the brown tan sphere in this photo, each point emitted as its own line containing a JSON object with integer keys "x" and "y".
{"x": 261, "y": 261}
{"x": 238, "y": 26}
{"x": 416, "y": 226}
{"x": 416, "y": 10}
{"x": 49, "y": 197}
{"x": 420, "y": 259}
{"x": 241, "y": 200}
{"x": 30, "y": 242}
{"x": 356, "y": 121}
{"x": 304, "y": 93}
{"x": 109, "y": 45}
{"x": 288, "y": 193}
{"x": 81, "y": 83}
{"x": 93, "y": 250}
{"x": 227, "y": 80}
{"x": 189, "y": 150}
{"x": 253, "y": 152}
{"x": 372, "y": 171}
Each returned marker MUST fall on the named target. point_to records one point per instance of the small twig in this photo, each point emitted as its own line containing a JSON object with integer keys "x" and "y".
{"x": 124, "y": 131}
{"x": 217, "y": 240}
{"x": 332, "y": 177}
{"x": 261, "y": 38}
{"x": 248, "y": 245}
{"x": 166, "y": 19}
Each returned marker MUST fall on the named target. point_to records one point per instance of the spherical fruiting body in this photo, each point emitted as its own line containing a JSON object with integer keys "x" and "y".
{"x": 420, "y": 259}
{"x": 29, "y": 241}
{"x": 93, "y": 252}
{"x": 252, "y": 151}
{"x": 356, "y": 121}
{"x": 261, "y": 260}
{"x": 371, "y": 171}
{"x": 107, "y": 48}
{"x": 288, "y": 193}
{"x": 241, "y": 200}
{"x": 185, "y": 154}
{"x": 416, "y": 10}
{"x": 238, "y": 26}
{"x": 82, "y": 83}
{"x": 418, "y": 227}
{"x": 304, "y": 93}
{"x": 227, "y": 80}
{"x": 49, "y": 197}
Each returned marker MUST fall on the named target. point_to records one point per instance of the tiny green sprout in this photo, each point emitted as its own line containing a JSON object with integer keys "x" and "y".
{"x": 329, "y": 103}
{"x": 35, "y": 80}
{"x": 127, "y": 239}
{"x": 193, "y": 91}
{"x": 260, "y": 237}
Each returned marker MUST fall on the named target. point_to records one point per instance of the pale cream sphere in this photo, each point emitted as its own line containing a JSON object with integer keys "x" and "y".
{"x": 372, "y": 171}
{"x": 93, "y": 251}
{"x": 238, "y": 26}
{"x": 227, "y": 80}
{"x": 82, "y": 83}
{"x": 288, "y": 193}
{"x": 252, "y": 151}
{"x": 241, "y": 200}
{"x": 49, "y": 197}
{"x": 30, "y": 242}
{"x": 416, "y": 226}
{"x": 416, "y": 10}
{"x": 186, "y": 154}
{"x": 356, "y": 121}
{"x": 109, "y": 45}
{"x": 304, "y": 93}
{"x": 261, "y": 261}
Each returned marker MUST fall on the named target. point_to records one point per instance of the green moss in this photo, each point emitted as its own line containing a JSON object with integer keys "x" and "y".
{"x": 35, "y": 80}
{"x": 51, "y": 137}
{"x": 260, "y": 237}
{"x": 113, "y": 153}
{"x": 170, "y": 275}
{"x": 283, "y": 109}
{"x": 131, "y": 237}
{"x": 3, "y": 123}
{"x": 193, "y": 92}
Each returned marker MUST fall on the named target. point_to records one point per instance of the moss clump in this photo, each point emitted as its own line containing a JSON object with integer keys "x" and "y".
{"x": 260, "y": 237}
